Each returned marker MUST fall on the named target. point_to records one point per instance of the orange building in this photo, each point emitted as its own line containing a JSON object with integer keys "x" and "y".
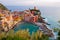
{"x": 8, "y": 18}
{"x": 15, "y": 18}
{"x": 34, "y": 18}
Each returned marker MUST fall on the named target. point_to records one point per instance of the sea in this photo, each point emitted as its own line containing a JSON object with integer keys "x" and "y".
{"x": 46, "y": 12}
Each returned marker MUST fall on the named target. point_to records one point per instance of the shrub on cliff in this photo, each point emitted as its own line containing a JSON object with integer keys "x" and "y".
{"x": 23, "y": 35}
{"x": 58, "y": 35}
{"x": 3, "y": 7}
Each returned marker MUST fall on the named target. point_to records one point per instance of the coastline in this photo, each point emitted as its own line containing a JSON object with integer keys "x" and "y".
{"x": 15, "y": 25}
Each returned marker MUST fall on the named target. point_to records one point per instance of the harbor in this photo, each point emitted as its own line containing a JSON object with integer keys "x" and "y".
{"x": 11, "y": 19}
{"x": 28, "y": 19}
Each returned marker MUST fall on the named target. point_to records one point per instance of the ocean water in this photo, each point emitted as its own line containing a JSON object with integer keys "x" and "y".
{"x": 44, "y": 13}
{"x": 27, "y": 26}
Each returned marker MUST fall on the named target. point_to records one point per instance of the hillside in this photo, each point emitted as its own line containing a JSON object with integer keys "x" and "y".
{"x": 3, "y": 7}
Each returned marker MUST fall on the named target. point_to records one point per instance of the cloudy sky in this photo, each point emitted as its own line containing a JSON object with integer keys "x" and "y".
{"x": 54, "y": 3}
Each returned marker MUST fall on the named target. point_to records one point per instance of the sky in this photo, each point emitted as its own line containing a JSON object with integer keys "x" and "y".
{"x": 51, "y": 3}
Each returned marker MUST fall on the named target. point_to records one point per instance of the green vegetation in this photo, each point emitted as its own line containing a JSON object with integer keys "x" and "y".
{"x": 58, "y": 38}
{"x": 39, "y": 36}
{"x": 3, "y": 7}
{"x": 23, "y": 35}
{"x": 59, "y": 21}
{"x": 58, "y": 35}
{"x": 56, "y": 29}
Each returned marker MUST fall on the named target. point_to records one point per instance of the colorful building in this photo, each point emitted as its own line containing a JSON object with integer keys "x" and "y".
{"x": 30, "y": 17}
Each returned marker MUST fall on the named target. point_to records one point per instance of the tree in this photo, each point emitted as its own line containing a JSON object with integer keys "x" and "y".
{"x": 58, "y": 35}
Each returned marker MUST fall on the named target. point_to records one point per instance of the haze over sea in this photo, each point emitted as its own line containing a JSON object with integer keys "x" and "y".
{"x": 50, "y": 13}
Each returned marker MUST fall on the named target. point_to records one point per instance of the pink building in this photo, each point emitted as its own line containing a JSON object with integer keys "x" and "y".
{"x": 30, "y": 18}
